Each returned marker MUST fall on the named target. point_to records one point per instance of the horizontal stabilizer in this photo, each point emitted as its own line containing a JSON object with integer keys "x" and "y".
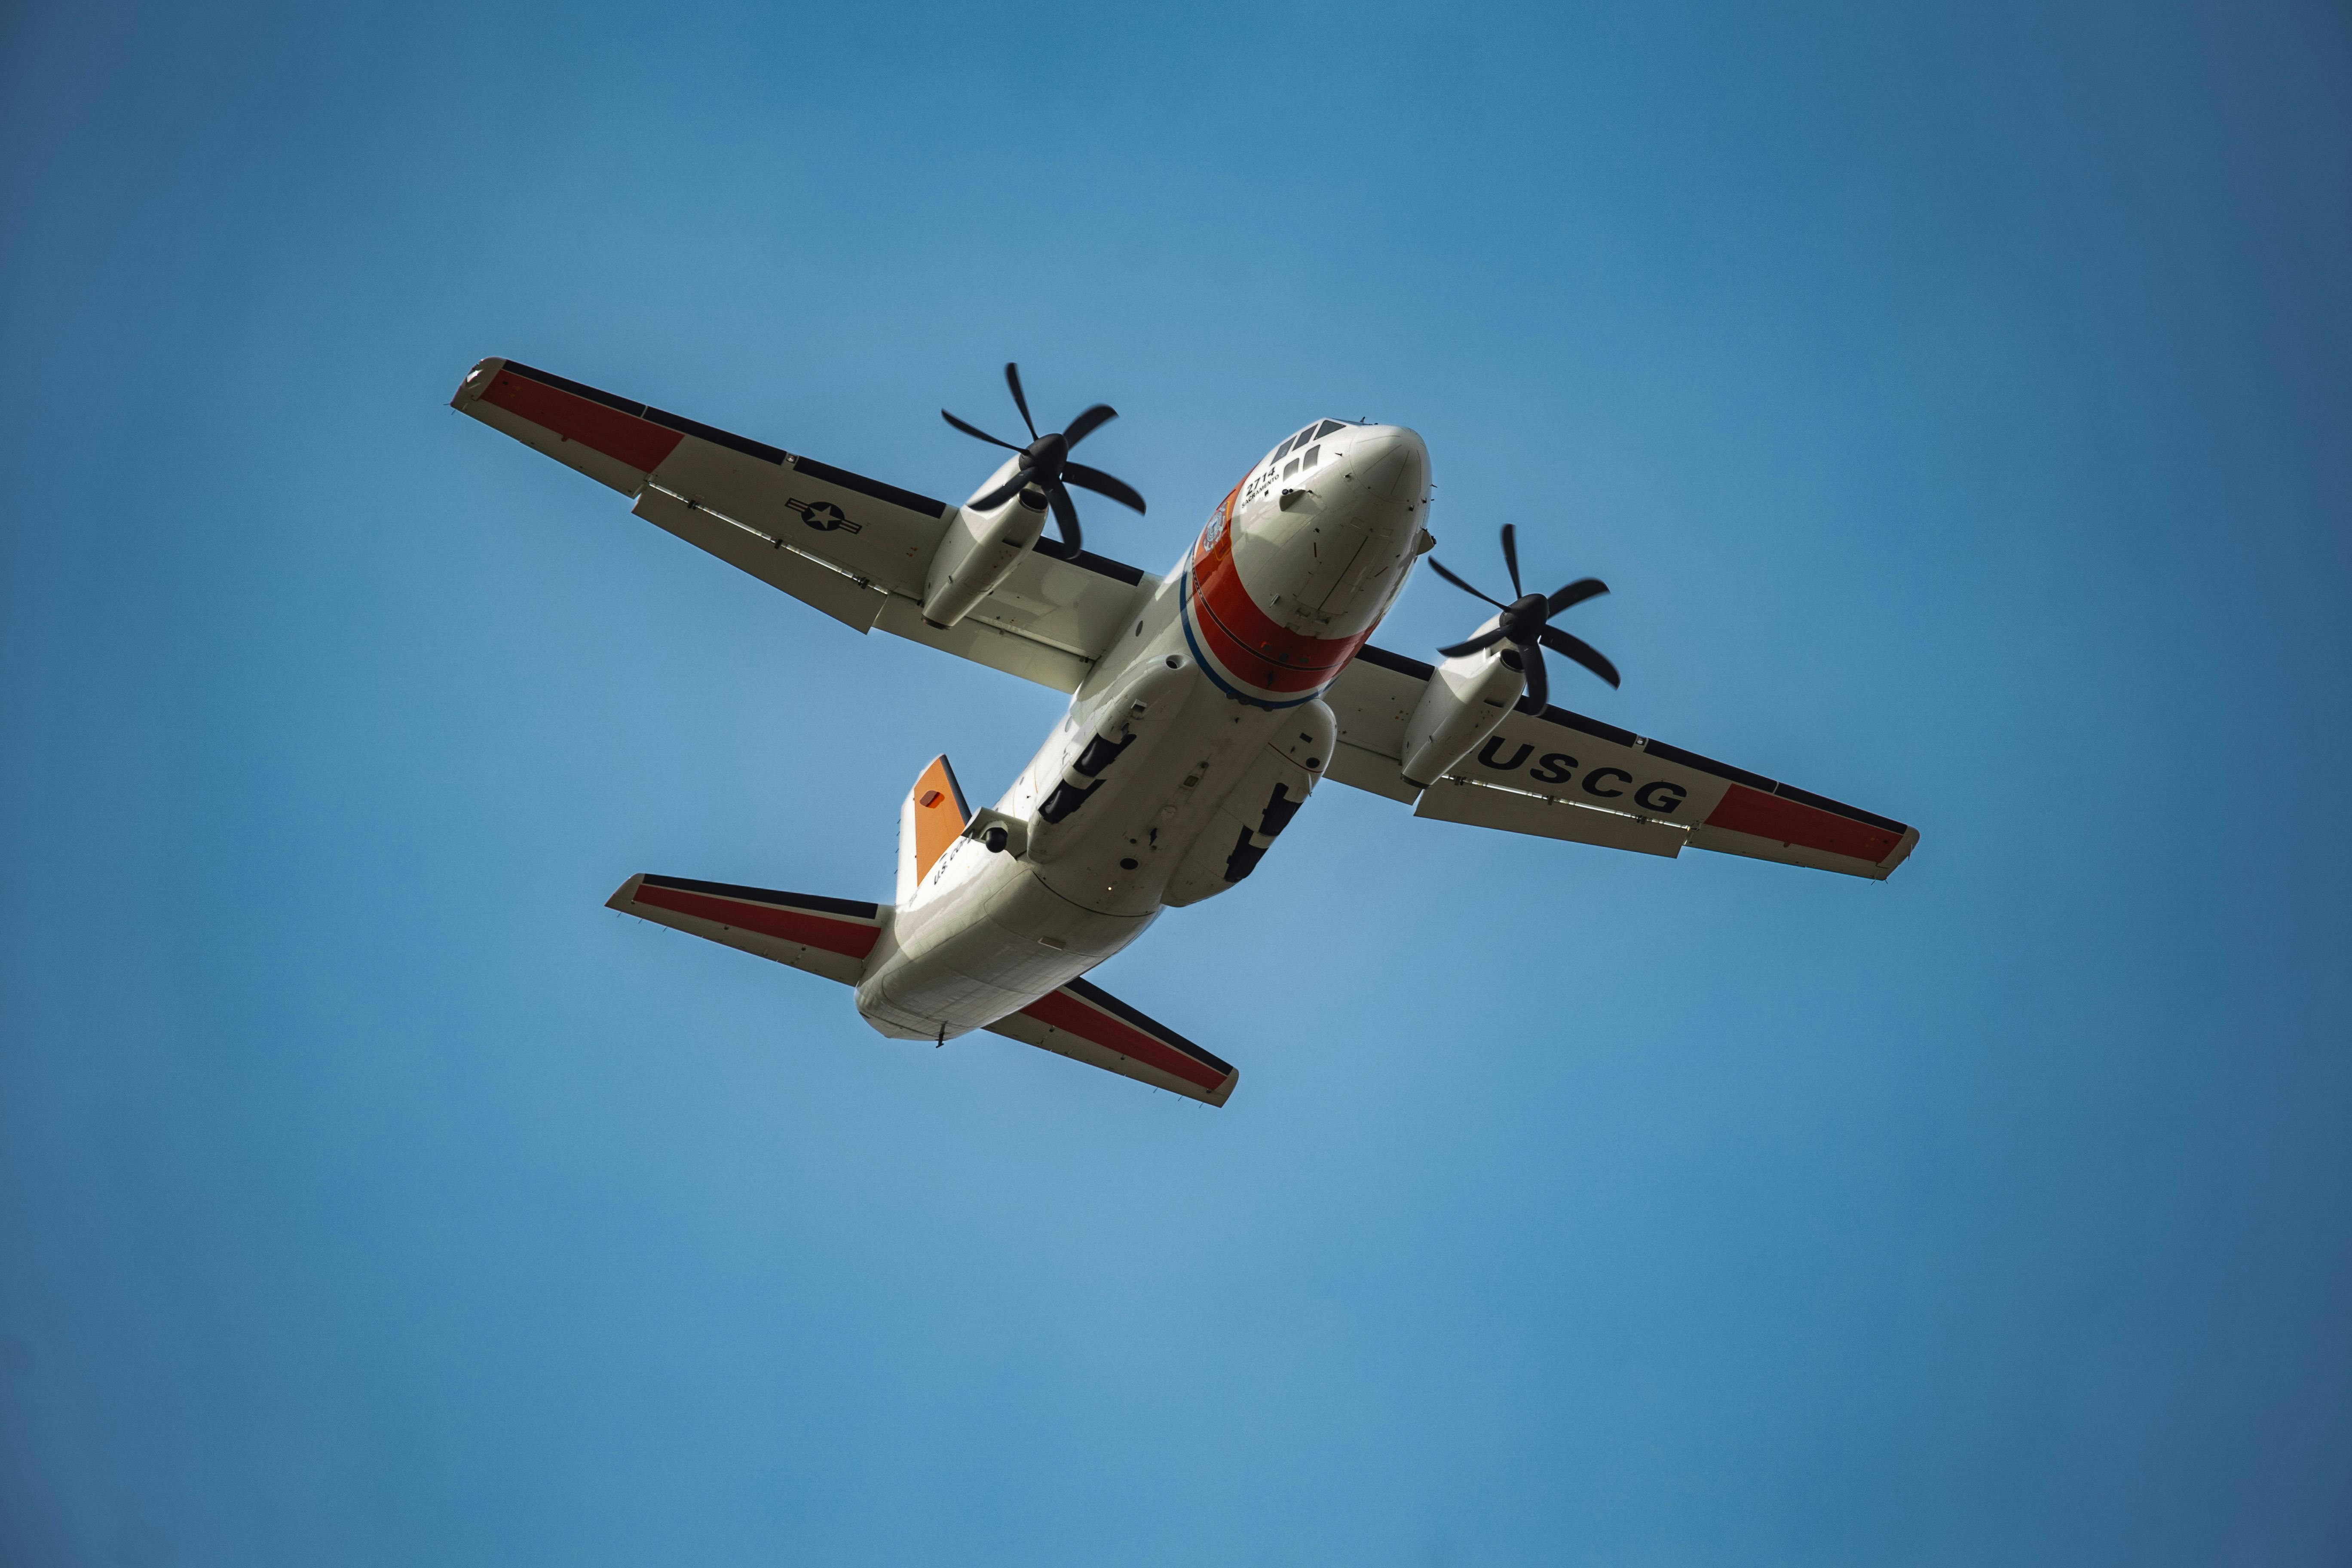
{"x": 1087, "y": 1024}
{"x": 825, "y": 936}
{"x": 832, "y": 936}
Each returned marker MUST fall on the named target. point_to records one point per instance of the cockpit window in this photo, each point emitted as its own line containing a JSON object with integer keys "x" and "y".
{"x": 1312, "y": 433}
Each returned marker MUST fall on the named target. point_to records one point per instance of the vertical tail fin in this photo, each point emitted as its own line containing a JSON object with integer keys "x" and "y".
{"x": 930, "y": 818}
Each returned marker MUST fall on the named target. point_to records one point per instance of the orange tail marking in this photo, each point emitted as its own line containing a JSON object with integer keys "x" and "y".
{"x": 940, "y": 814}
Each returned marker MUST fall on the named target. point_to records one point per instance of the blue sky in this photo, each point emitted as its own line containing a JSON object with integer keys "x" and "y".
{"x": 1955, "y": 397}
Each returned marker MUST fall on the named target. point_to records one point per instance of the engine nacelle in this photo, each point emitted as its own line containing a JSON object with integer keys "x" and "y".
{"x": 1253, "y": 815}
{"x": 1463, "y": 701}
{"x": 977, "y": 552}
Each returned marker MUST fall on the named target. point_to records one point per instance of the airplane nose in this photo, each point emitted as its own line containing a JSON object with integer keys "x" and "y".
{"x": 1389, "y": 463}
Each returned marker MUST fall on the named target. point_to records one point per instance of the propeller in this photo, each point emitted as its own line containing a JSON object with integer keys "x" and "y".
{"x": 1045, "y": 463}
{"x": 1526, "y": 624}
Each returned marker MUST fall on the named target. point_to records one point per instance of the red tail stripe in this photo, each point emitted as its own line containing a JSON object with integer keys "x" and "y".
{"x": 624, "y": 438}
{"x": 1064, "y": 1011}
{"x": 847, "y": 938}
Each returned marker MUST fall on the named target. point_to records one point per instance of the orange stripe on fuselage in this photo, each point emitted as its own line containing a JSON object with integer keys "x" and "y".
{"x": 1252, "y": 644}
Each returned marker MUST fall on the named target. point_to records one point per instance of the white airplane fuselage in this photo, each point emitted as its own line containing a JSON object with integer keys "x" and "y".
{"x": 1185, "y": 752}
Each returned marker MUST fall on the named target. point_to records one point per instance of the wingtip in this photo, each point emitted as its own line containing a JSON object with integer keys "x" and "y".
{"x": 477, "y": 381}
{"x": 1900, "y": 853}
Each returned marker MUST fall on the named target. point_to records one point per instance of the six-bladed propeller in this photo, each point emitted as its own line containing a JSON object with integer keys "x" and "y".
{"x": 1524, "y": 624}
{"x": 1045, "y": 463}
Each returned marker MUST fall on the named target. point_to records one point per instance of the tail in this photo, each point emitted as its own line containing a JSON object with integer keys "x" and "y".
{"x": 931, "y": 817}
{"x": 834, "y": 937}
{"x": 825, "y": 936}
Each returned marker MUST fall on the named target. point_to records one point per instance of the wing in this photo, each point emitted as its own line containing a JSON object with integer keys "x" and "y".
{"x": 852, "y": 547}
{"x": 1558, "y": 774}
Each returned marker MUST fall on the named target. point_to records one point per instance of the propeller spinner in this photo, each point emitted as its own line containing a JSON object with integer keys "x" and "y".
{"x": 1045, "y": 463}
{"x": 1524, "y": 624}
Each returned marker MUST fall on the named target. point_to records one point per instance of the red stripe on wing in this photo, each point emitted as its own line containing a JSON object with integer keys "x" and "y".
{"x": 1746, "y": 810}
{"x": 624, "y": 438}
{"x": 848, "y": 938}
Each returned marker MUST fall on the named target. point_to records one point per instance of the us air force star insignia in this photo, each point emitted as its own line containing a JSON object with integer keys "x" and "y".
{"x": 823, "y": 515}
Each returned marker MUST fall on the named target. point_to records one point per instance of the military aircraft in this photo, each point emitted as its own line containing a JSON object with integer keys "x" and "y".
{"x": 1205, "y": 706}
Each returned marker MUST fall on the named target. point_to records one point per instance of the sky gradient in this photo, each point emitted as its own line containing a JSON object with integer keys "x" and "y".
{"x": 1955, "y": 399}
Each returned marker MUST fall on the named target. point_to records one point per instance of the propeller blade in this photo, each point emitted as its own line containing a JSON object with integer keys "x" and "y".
{"x": 1538, "y": 680}
{"x": 1575, "y": 593}
{"x": 1065, "y": 512}
{"x": 1002, "y": 493}
{"x": 1511, "y": 559}
{"x": 1086, "y": 424}
{"x": 1583, "y": 652}
{"x": 1439, "y": 567}
{"x": 976, "y": 430}
{"x": 1013, "y": 380}
{"x": 1484, "y": 639}
{"x": 1102, "y": 484}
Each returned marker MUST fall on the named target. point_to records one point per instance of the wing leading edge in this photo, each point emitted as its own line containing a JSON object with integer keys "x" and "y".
{"x": 1559, "y": 774}
{"x": 855, "y": 548}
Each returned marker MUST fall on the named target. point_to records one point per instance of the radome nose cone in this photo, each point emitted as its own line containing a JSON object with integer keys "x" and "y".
{"x": 1390, "y": 463}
